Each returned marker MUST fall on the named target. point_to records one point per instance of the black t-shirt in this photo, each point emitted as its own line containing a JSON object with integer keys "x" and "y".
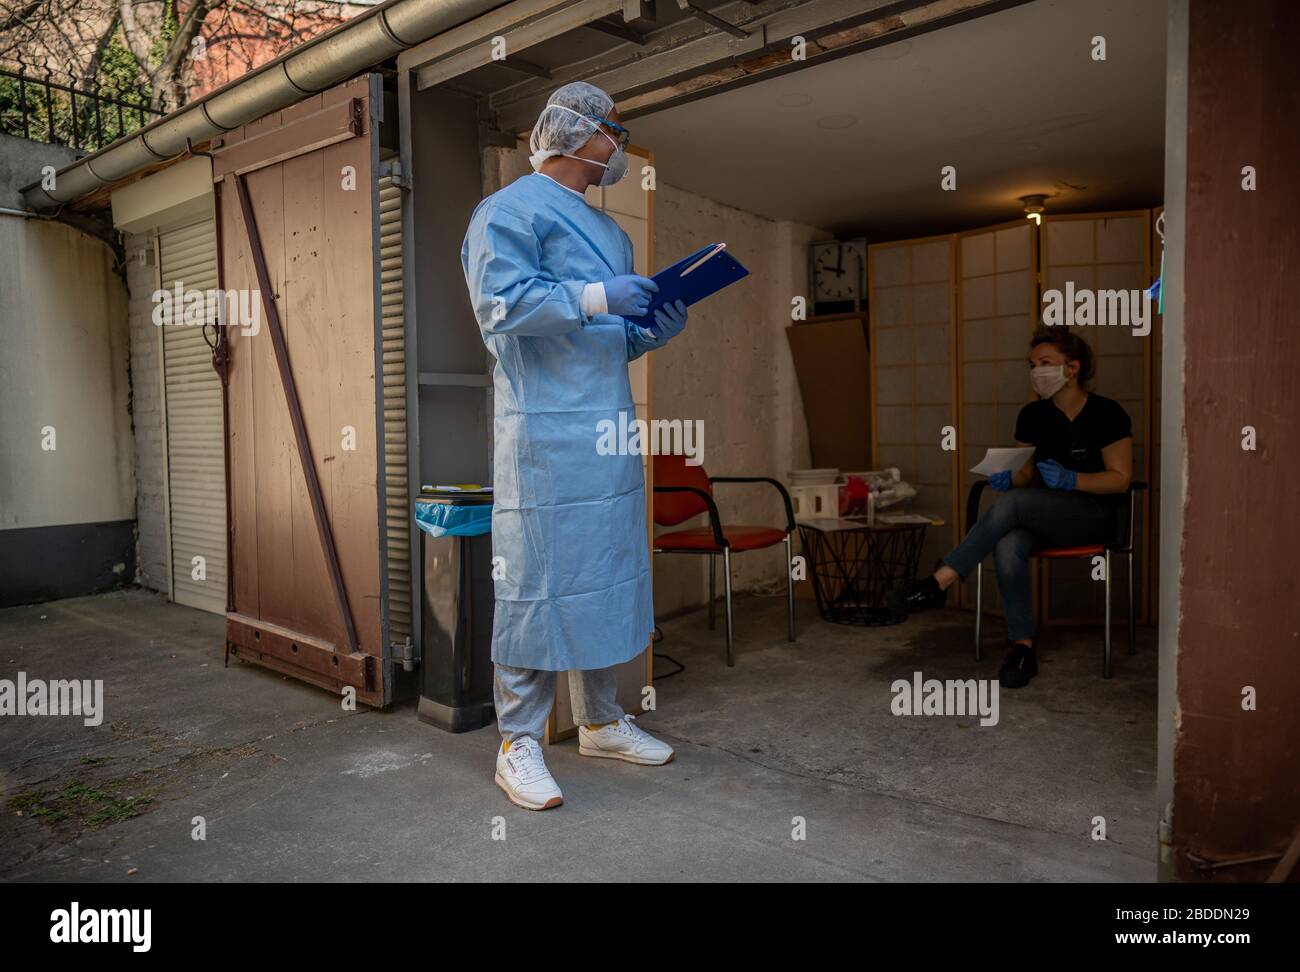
{"x": 1075, "y": 445}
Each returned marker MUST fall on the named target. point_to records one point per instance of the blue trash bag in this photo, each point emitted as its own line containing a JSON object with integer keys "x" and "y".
{"x": 454, "y": 520}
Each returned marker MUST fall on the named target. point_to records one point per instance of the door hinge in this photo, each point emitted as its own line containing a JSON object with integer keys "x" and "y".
{"x": 403, "y": 654}
{"x": 394, "y": 171}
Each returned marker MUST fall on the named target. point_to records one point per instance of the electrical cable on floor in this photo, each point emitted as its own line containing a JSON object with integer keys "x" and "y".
{"x": 680, "y": 667}
{"x": 657, "y": 637}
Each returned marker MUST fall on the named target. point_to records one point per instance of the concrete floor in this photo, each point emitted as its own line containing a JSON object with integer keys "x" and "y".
{"x": 291, "y": 788}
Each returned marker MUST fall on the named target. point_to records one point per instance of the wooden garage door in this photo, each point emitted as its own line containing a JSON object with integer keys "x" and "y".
{"x": 196, "y": 493}
{"x": 298, "y": 205}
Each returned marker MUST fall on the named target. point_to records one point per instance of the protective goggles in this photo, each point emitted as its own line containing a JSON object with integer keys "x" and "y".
{"x": 624, "y": 136}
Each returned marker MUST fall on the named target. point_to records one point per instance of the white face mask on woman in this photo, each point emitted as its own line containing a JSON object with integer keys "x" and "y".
{"x": 1048, "y": 379}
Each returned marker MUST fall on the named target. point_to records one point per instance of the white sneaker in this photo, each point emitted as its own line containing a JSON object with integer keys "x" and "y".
{"x": 522, "y": 773}
{"x": 626, "y": 741}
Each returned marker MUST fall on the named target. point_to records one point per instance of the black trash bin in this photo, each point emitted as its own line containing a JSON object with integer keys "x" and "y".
{"x": 456, "y": 670}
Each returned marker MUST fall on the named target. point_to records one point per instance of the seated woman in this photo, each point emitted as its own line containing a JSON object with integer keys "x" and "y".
{"x": 1066, "y": 495}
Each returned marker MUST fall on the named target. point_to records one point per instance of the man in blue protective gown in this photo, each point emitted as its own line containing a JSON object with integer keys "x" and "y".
{"x": 551, "y": 281}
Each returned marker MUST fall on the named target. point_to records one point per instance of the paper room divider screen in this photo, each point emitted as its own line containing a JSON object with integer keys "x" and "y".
{"x": 1104, "y": 252}
{"x": 911, "y": 303}
{"x": 997, "y": 308}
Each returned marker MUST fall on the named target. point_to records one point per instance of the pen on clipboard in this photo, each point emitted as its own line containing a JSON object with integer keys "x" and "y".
{"x": 712, "y": 253}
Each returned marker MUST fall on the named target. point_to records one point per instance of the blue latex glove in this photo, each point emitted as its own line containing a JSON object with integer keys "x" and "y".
{"x": 669, "y": 321}
{"x": 1056, "y": 476}
{"x": 629, "y": 295}
{"x": 1001, "y": 481}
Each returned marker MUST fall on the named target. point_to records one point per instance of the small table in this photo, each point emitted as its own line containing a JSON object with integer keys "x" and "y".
{"x": 854, "y": 566}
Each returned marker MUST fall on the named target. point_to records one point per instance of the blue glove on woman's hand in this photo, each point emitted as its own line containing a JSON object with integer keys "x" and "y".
{"x": 1001, "y": 481}
{"x": 629, "y": 295}
{"x": 1056, "y": 476}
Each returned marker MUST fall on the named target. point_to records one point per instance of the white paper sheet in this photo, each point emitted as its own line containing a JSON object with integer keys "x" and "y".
{"x": 999, "y": 460}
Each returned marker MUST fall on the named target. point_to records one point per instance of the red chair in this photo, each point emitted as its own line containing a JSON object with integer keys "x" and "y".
{"x": 683, "y": 492}
{"x": 1122, "y": 544}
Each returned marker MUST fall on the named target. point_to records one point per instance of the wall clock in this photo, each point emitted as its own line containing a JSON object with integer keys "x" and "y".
{"x": 837, "y": 276}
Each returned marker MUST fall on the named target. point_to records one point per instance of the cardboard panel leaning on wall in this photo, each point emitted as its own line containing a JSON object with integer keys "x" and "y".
{"x": 832, "y": 365}
{"x": 910, "y": 301}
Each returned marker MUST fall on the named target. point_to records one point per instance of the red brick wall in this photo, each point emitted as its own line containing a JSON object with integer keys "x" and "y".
{"x": 237, "y": 40}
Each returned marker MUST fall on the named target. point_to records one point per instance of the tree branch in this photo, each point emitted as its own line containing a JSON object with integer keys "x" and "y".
{"x": 19, "y": 17}
{"x": 137, "y": 41}
{"x": 166, "y": 86}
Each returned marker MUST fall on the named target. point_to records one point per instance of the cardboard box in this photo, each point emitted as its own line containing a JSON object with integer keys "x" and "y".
{"x": 832, "y": 363}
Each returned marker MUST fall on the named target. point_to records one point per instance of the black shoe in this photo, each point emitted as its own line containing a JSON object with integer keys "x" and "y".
{"x": 1020, "y": 665}
{"x": 920, "y": 595}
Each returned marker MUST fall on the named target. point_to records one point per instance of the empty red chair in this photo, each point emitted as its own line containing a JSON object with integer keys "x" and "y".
{"x": 681, "y": 492}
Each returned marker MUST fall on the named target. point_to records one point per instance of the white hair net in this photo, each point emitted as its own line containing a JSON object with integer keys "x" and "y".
{"x": 563, "y": 126}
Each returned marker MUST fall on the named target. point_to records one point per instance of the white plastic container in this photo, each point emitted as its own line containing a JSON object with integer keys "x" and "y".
{"x": 816, "y": 502}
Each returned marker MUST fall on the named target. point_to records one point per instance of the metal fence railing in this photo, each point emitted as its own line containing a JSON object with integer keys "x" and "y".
{"x": 35, "y": 106}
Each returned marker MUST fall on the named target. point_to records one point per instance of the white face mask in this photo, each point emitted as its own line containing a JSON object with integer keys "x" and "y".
{"x": 1048, "y": 380}
{"x": 615, "y": 168}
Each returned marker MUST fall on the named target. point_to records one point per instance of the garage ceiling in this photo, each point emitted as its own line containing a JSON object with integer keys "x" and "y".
{"x": 1013, "y": 99}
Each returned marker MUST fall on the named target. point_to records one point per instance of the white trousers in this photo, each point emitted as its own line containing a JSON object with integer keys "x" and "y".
{"x": 524, "y": 696}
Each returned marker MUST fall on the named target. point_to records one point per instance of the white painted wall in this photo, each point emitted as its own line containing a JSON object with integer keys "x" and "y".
{"x": 732, "y": 369}
{"x": 63, "y": 363}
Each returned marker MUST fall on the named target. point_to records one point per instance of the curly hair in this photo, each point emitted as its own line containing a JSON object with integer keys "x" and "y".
{"x": 1069, "y": 343}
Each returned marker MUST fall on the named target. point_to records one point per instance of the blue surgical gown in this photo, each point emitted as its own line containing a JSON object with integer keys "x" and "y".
{"x": 569, "y": 524}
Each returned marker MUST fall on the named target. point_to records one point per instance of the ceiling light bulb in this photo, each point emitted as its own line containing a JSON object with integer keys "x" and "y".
{"x": 1034, "y": 207}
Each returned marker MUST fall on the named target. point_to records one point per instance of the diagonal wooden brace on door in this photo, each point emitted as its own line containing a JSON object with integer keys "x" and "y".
{"x": 323, "y": 529}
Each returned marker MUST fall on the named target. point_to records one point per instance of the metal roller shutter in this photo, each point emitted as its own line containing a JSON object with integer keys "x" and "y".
{"x": 196, "y": 481}
{"x": 397, "y": 492}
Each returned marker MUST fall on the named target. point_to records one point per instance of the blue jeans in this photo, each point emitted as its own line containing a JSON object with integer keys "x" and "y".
{"x": 1020, "y": 522}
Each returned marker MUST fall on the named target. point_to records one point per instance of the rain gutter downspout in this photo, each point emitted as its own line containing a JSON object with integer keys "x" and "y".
{"x": 307, "y": 69}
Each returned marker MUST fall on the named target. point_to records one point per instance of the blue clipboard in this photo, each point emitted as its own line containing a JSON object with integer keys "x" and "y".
{"x": 706, "y": 271}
